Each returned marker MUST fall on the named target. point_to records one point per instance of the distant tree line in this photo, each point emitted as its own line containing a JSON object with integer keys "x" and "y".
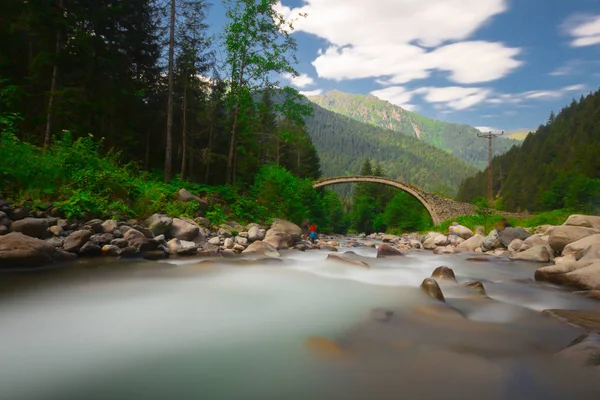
{"x": 557, "y": 167}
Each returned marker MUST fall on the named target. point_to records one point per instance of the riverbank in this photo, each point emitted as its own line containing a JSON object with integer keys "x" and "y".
{"x": 28, "y": 239}
{"x": 230, "y": 327}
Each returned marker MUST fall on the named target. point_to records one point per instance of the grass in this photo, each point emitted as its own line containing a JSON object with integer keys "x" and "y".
{"x": 490, "y": 222}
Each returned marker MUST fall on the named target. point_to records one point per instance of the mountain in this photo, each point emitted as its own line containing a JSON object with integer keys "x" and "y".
{"x": 343, "y": 144}
{"x": 558, "y": 166}
{"x": 456, "y": 139}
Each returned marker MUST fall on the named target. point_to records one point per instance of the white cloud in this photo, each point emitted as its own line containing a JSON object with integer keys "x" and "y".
{"x": 515, "y": 98}
{"x": 462, "y": 98}
{"x": 410, "y": 107}
{"x": 309, "y": 93}
{"x": 405, "y": 40}
{"x": 301, "y": 81}
{"x": 455, "y": 97}
{"x": 486, "y": 129}
{"x": 585, "y": 30}
{"x": 395, "y": 94}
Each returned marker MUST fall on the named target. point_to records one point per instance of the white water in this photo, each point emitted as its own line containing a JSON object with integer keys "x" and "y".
{"x": 230, "y": 329}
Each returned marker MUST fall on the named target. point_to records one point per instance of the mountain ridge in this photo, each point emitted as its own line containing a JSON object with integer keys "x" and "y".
{"x": 457, "y": 139}
{"x": 344, "y": 143}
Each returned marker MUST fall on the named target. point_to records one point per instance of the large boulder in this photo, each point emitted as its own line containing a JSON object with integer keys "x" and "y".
{"x": 255, "y": 233}
{"x": 18, "y": 250}
{"x": 507, "y": 235}
{"x": 516, "y": 245}
{"x": 159, "y": 223}
{"x": 262, "y": 248}
{"x": 76, "y": 240}
{"x": 139, "y": 242}
{"x": 591, "y": 253}
{"x": 102, "y": 239}
{"x": 472, "y": 243}
{"x": 536, "y": 254}
{"x": 561, "y": 236}
{"x": 184, "y": 229}
{"x": 109, "y": 226}
{"x": 536, "y": 240}
{"x": 432, "y": 288}
{"x": 586, "y": 221}
{"x": 287, "y": 237}
{"x": 581, "y": 245}
{"x": 430, "y": 239}
{"x": 90, "y": 250}
{"x": 443, "y": 273}
{"x": 4, "y": 220}
{"x": 587, "y": 278}
{"x": 463, "y": 232}
{"x": 277, "y": 241}
{"x": 384, "y": 250}
{"x": 441, "y": 240}
{"x": 491, "y": 241}
{"x": 34, "y": 227}
{"x": 287, "y": 227}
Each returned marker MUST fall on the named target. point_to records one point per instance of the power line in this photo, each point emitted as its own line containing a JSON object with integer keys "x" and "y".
{"x": 490, "y": 136}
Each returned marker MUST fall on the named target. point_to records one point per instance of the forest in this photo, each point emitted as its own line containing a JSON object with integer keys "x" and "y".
{"x": 557, "y": 167}
{"x": 110, "y": 107}
{"x": 343, "y": 144}
{"x": 457, "y": 139}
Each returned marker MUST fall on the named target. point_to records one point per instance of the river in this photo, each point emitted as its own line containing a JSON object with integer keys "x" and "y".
{"x": 238, "y": 328}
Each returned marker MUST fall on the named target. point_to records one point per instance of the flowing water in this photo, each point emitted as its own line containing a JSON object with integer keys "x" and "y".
{"x": 257, "y": 329}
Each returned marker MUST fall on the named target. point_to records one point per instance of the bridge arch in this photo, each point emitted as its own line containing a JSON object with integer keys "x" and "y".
{"x": 416, "y": 193}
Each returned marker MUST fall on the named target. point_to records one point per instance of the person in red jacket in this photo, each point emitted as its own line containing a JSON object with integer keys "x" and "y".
{"x": 313, "y": 233}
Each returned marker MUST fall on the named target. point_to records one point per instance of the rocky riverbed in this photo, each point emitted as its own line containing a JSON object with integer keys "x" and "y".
{"x": 435, "y": 312}
{"x": 570, "y": 252}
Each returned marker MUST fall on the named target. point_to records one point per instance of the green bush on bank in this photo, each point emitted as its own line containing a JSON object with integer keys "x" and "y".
{"x": 76, "y": 177}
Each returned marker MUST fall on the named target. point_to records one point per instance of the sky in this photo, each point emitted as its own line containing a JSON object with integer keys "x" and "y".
{"x": 492, "y": 64}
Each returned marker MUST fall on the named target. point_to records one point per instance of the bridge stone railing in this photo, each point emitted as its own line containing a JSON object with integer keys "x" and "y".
{"x": 440, "y": 208}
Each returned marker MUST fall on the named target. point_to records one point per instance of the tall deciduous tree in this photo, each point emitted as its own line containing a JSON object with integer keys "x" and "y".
{"x": 257, "y": 44}
{"x": 169, "y": 144}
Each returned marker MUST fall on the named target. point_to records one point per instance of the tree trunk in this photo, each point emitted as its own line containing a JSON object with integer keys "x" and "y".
{"x": 49, "y": 113}
{"x": 169, "y": 144}
{"x": 229, "y": 172}
{"x": 208, "y": 156}
{"x": 184, "y": 131}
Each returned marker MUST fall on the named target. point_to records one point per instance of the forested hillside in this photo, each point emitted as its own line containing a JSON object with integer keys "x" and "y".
{"x": 343, "y": 145}
{"x": 91, "y": 67}
{"x": 108, "y": 109}
{"x": 558, "y": 166}
{"x": 457, "y": 139}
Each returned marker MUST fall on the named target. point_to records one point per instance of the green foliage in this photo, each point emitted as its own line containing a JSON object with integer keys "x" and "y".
{"x": 457, "y": 139}
{"x": 556, "y": 167}
{"x": 217, "y": 215}
{"x": 406, "y": 213}
{"x": 380, "y": 208}
{"x": 344, "y": 143}
{"x": 283, "y": 195}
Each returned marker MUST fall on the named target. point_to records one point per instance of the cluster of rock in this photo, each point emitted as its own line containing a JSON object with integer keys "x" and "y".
{"x": 573, "y": 248}
{"x": 34, "y": 238}
{"x": 576, "y": 246}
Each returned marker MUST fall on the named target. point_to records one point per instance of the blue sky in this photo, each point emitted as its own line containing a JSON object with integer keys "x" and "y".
{"x": 500, "y": 64}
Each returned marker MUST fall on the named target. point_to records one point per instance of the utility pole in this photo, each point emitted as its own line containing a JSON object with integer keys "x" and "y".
{"x": 489, "y": 136}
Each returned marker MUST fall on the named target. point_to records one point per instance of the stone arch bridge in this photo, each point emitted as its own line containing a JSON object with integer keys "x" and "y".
{"x": 440, "y": 208}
